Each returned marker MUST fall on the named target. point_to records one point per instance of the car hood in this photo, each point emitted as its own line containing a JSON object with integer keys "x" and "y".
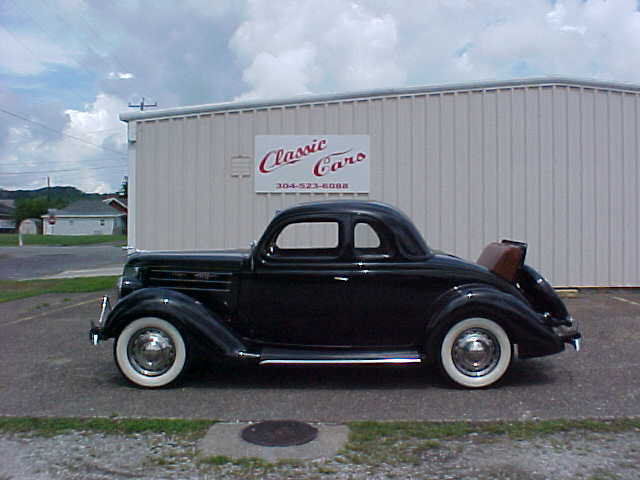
{"x": 227, "y": 260}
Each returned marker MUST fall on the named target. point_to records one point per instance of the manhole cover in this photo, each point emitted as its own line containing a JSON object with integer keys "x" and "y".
{"x": 279, "y": 433}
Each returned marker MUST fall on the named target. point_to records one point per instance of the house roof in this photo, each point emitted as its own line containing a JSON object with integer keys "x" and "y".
{"x": 6, "y": 210}
{"x": 414, "y": 90}
{"x": 121, "y": 200}
{"x": 87, "y": 208}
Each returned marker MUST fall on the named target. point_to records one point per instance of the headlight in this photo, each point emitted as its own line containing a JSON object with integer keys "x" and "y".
{"x": 131, "y": 272}
{"x": 130, "y": 280}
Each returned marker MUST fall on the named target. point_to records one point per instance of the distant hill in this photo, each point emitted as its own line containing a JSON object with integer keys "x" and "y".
{"x": 65, "y": 194}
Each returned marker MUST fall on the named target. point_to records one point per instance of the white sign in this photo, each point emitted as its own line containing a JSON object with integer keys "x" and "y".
{"x": 312, "y": 163}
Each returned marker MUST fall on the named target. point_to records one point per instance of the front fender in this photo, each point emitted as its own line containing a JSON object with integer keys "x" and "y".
{"x": 523, "y": 325}
{"x": 203, "y": 326}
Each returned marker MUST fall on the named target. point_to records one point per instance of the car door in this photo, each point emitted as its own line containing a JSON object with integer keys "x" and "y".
{"x": 296, "y": 294}
{"x": 387, "y": 294}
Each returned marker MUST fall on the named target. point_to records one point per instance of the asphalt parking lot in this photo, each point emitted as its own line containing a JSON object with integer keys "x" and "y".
{"x": 31, "y": 261}
{"x": 48, "y": 367}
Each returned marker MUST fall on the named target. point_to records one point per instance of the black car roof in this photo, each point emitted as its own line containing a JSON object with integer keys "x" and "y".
{"x": 400, "y": 224}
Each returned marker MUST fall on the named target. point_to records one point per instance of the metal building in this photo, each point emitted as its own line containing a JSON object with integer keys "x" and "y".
{"x": 553, "y": 161}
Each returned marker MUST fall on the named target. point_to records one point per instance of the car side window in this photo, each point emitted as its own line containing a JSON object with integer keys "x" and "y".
{"x": 369, "y": 241}
{"x": 307, "y": 239}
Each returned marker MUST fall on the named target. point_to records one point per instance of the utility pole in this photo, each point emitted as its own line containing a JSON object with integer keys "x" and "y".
{"x": 142, "y": 105}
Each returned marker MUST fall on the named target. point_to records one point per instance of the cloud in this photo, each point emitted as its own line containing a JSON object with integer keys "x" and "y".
{"x": 293, "y": 47}
{"x": 120, "y": 76}
{"x": 28, "y": 54}
{"x": 92, "y": 165}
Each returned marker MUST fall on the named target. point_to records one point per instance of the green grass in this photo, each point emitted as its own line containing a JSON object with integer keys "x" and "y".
{"x": 11, "y": 239}
{"x": 15, "y": 290}
{"x": 373, "y": 443}
{"x": 48, "y": 427}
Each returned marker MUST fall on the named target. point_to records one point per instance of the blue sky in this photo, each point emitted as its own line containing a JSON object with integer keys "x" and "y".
{"x": 69, "y": 67}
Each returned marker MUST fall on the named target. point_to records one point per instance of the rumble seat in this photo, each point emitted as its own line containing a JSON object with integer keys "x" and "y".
{"x": 503, "y": 259}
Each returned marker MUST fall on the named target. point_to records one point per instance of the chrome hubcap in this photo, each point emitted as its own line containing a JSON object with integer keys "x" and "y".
{"x": 475, "y": 352}
{"x": 151, "y": 352}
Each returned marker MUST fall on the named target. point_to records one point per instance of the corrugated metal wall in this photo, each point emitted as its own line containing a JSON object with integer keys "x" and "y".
{"x": 555, "y": 165}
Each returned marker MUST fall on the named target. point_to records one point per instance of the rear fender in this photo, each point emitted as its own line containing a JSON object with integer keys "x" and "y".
{"x": 520, "y": 321}
{"x": 204, "y": 327}
{"x": 542, "y": 296}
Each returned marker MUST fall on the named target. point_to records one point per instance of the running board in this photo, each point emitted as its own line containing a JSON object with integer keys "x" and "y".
{"x": 276, "y": 356}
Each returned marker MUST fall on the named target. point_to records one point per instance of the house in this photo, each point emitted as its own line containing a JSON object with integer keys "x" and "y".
{"x": 84, "y": 217}
{"x": 120, "y": 204}
{"x": 7, "y": 222}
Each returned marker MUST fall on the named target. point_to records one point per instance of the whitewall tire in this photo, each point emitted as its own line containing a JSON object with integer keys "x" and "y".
{"x": 475, "y": 352}
{"x": 151, "y": 352}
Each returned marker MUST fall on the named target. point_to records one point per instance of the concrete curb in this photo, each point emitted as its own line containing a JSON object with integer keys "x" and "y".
{"x": 223, "y": 439}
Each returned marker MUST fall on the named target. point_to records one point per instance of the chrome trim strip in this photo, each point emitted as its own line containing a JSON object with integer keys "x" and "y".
{"x": 342, "y": 361}
{"x": 248, "y": 355}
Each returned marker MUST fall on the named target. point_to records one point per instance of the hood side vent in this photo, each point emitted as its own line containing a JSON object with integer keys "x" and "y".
{"x": 189, "y": 279}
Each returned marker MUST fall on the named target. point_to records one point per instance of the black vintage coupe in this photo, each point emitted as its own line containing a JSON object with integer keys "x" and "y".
{"x": 364, "y": 288}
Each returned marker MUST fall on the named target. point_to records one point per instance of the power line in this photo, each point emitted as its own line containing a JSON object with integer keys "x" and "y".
{"x": 41, "y": 125}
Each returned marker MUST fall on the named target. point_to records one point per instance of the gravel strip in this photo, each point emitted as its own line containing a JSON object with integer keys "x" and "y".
{"x": 92, "y": 456}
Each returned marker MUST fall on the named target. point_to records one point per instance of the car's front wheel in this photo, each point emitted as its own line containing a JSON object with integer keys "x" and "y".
{"x": 151, "y": 352}
{"x": 475, "y": 352}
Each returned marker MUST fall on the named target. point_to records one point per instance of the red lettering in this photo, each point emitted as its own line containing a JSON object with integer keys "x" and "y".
{"x": 280, "y": 157}
{"x": 327, "y": 164}
{"x": 263, "y": 166}
{"x": 331, "y": 164}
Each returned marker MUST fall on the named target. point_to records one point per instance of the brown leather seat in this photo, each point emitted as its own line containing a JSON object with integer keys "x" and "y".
{"x": 503, "y": 259}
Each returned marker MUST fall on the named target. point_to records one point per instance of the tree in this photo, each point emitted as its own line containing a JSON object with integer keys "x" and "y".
{"x": 34, "y": 207}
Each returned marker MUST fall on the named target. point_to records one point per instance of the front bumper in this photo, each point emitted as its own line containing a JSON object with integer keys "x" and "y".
{"x": 570, "y": 334}
{"x": 97, "y": 326}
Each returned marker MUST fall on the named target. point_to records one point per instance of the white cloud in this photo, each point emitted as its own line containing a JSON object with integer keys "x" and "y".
{"x": 67, "y": 160}
{"x": 293, "y": 47}
{"x": 28, "y": 54}
{"x": 289, "y": 47}
{"x": 120, "y": 76}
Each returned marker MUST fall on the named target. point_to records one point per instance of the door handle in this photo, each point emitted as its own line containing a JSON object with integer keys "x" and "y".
{"x": 342, "y": 279}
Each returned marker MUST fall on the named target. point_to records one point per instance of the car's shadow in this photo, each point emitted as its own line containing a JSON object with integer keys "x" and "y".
{"x": 212, "y": 375}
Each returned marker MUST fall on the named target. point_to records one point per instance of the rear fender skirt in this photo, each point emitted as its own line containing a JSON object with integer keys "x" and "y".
{"x": 521, "y": 322}
{"x": 203, "y": 326}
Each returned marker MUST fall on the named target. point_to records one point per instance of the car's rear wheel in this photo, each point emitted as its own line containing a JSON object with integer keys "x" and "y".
{"x": 475, "y": 352}
{"x": 151, "y": 352}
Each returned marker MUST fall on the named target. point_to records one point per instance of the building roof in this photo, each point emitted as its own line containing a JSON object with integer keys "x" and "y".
{"x": 87, "y": 208}
{"x": 331, "y": 97}
{"x": 6, "y": 210}
{"x": 121, "y": 200}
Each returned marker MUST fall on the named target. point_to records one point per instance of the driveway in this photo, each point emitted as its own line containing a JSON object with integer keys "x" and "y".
{"x": 19, "y": 263}
{"x": 47, "y": 367}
